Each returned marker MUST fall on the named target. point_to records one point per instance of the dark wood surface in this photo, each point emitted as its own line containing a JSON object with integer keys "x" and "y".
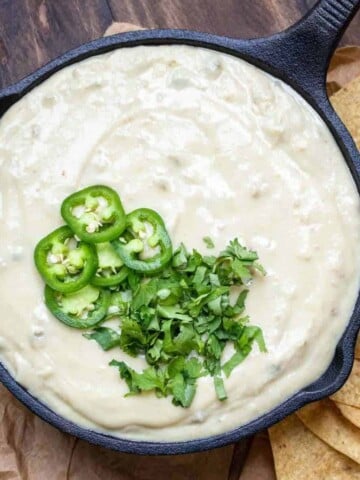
{"x": 32, "y": 32}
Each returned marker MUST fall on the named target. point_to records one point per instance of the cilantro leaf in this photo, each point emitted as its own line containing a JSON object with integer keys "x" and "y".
{"x": 183, "y": 342}
{"x": 180, "y": 257}
{"x": 236, "y": 250}
{"x": 220, "y": 388}
{"x": 244, "y": 346}
{"x": 213, "y": 347}
{"x": 233, "y": 362}
{"x": 183, "y": 391}
{"x": 208, "y": 242}
{"x": 150, "y": 379}
{"x": 252, "y": 334}
{"x": 145, "y": 293}
{"x": 106, "y": 337}
{"x": 213, "y": 352}
{"x": 127, "y": 374}
{"x": 153, "y": 354}
{"x": 193, "y": 368}
{"x": 173, "y": 312}
{"x": 241, "y": 271}
{"x": 207, "y": 324}
{"x": 132, "y": 338}
{"x": 183, "y": 381}
{"x": 133, "y": 280}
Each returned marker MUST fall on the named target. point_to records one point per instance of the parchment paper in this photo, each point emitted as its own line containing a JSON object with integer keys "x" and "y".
{"x": 30, "y": 449}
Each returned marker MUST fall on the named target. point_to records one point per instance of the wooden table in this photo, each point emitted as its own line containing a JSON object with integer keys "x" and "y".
{"x": 33, "y": 32}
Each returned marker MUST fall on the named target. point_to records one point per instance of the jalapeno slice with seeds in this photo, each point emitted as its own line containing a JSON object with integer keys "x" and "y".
{"x": 64, "y": 263}
{"x": 95, "y": 214}
{"x": 111, "y": 269}
{"x": 82, "y": 309}
{"x": 145, "y": 245}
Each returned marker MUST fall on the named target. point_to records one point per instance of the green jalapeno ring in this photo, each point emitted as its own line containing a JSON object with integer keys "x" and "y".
{"x": 68, "y": 270}
{"x": 111, "y": 269}
{"x": 94, "y": 223}
{"x": 131, "y": 244}
{"x": 111, "y": 281}
{"x": 97, "y": 308}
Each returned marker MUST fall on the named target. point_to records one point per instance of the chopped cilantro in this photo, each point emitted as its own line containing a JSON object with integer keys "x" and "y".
{"x": 220, "y": 388}
{"x": 133, "y": 338}
{"x": 209, "y": 242}
{"x": 181, "y": 320}
{"x": 107, "y": 338}
{"x": 234, "y": 361}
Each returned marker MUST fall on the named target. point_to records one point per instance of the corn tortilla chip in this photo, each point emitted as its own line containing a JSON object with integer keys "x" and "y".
{"x": 347, "y": 104}
{"x": 300, "y": 455}
{"x": 344, "y": 67}
{"x": 120, "y": 27}
{"x": 350, "y": 413}
{"x": 349, "y": 394}
{"x": 325, "y": 421}
{"x": 357, "y": 348}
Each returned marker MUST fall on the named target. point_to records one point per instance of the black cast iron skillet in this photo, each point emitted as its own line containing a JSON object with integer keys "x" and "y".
{"x": 300, "y": 57}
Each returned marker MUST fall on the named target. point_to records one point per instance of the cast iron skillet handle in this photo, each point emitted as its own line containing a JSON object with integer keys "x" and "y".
{"x": 302, "y": 52}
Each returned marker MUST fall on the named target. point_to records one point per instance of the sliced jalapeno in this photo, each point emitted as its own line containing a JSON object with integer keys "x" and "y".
{"x": 111, "y": 269}
{"x": 65, "y": 264}
{"x": 145, "y": 246}
{"x": 82, "y": 309}
{"x": 95, "y": 214}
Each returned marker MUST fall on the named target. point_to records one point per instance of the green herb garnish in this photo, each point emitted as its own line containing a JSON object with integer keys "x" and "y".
{"x": 182, "y": 319}
{"x": 208, "y": 242}
{"x": 107, "y": 338}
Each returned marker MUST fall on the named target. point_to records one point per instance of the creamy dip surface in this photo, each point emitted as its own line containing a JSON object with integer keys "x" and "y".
{"x": 218, "y": 148}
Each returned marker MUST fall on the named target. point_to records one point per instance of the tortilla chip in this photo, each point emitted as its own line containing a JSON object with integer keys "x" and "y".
{"x": 344, "y": 67}
{"x": 121, "y": 27}
{"x": 347, "y": 104}
{"x": 350, "y": 413}
{"x": 349, "y": 394}
{"x": 324, "y": 420}
{"x": 300, "y": 455}
{"x": 357, "y": 348}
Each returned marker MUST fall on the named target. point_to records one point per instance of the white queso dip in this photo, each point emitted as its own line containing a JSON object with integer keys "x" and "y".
{"x": 218, "y": 148}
